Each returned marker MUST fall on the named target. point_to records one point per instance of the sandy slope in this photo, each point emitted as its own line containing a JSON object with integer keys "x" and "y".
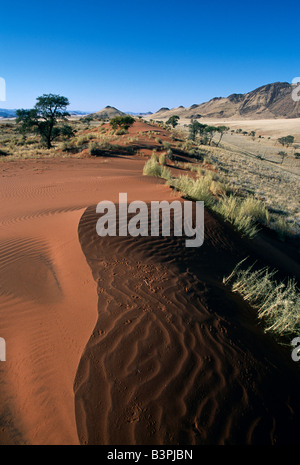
{"x": 48, "y": 298}
{"x": 174, "y": 358}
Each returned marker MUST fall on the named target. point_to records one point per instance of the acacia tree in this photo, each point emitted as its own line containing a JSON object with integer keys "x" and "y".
{"x": 283, "y": 155}
{"x": 196, "y": 128}
{"x": 173, "y": 121}
{"x": 287, "y": 140}
{"x": 44, "y": 117}
{"x": 252, "y": 134}
{"x": 211, "y": 131}
{"x": 221, "y": 130}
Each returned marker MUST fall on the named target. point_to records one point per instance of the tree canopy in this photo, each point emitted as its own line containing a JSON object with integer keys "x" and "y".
{"x": 206, "y": 132}
{"x": 121, "y": 122}
{"x": 44, "y": 117}
{"x": 196, "y": 128}
{"x": 173, "y": 121}
{"x": 221, "y": 130}
{"x": 287, "y": 140}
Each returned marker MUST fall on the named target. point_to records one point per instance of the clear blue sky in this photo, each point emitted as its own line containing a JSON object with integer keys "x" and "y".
{"x": 142, "y": 55}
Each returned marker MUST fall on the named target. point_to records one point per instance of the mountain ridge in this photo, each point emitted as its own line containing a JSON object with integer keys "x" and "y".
{"x": 265, "y": 102}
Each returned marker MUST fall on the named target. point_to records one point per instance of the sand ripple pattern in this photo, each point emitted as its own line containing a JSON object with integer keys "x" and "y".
{"x": 174, "y": 358}
{"x": 40, "y": 281}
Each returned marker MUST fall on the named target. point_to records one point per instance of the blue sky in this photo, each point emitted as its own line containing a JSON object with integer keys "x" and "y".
{"x": 142, "y": 55}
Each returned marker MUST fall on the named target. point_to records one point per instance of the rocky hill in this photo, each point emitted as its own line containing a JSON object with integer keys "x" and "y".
{"x": 266, "y": 102}
{"x": 107, "y": 112}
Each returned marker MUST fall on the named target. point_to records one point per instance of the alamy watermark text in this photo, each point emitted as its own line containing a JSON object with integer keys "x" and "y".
{"x": 186, "y": 218}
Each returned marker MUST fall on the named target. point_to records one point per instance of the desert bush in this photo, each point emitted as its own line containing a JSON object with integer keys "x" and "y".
{"x": 277, "y": 303}
{"x": 230, "y": 208}
{"x": 218, "y": 188}
{"x": 166, "y": 145}
{"x": 166, "y": 173}
{"x": 192, "y": 167}
{"x": 282, "y": 227}
{"x": 154, "y": 156}
{"x": 194, "y": 189}
{"x": 121, "y": 132}
{"x": 187, "y": 146}
{"x": 82, "y": 140}
{"x": 255, "y": 208}
{"x": 152, "y": 168}
{"x": 207, "y": 159}
{"x": 97, "y": 149}
{"x": 69, "y": 146}
{"x": 66, "y": 132}
{"x": 163, "y": 159}
{"x": 169, "y": 154}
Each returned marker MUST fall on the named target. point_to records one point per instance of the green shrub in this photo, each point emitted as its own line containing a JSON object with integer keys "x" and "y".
{"x": 121, "y": 122}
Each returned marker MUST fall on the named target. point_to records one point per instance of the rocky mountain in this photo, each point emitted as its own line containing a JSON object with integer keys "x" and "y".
{"x": 266, "y": 102}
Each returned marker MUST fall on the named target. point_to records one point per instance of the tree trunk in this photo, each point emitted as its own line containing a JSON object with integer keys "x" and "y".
{"x": 219, "y": 140}
{"x": 49, "y": 135}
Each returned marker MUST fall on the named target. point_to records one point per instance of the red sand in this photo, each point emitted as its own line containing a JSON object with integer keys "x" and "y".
{"x": 170, "y": 357}
{"x": 48, "y": 298}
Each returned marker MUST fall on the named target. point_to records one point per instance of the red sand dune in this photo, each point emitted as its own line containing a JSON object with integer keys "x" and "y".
{"x": 122, "y": 340}
{"x": 175, "y": 358}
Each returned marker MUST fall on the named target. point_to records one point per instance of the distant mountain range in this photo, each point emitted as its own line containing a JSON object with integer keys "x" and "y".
{"x": 4, "y": 113}
{"x": 107, "y": 112}
{"x": 7, "y": 113}
{"x": 266, "y": 102}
